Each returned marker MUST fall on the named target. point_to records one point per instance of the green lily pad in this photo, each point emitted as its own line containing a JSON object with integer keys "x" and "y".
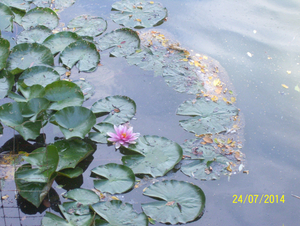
{"x": 6, "y": 83}
{"x": 38, "y": 75}
{"x": 87, "y": 25}
{"x": 11, "y": 115}
{"x": 51, "y": 219}
{"x": 4, "y": 52}
{"x": 59, "y": 41}
{"x": 19, "y": 4}
{"x": 61, "y": 4}
{"x": 82, "y": 53}
{"x": 42, "y": 3}
{"x": 86, "y": 88}
{"x": 34, "y": 107}
{"x": 117, "y": 213}
{"x": 115, "y": 178}
{"x": 40, "y": 16}
{"x": 6, "y": 18}
{"x": 209, "y": 117}
{"x": 138, "y": 13}
{"x": 120, "y": 109}
{"x": 179, "y": 202}
{"x": 71, "y": 173}
{"x": 83, "y": 196}
{"x": 36, "y": 34}
{"x": 28, "y": 92}
{"x": 102, "y": 129}
{"x": 63, "y": 94}
{"x": 155, "y": 156}
{"x": 19, "y": 13}
{"x": 26, "y": 55}
{"x": 124, "y": 42}
{"x": 148, "y": 60}
{"x": 33, "y": 184}
{"x": 71, "y": 152}
{"x": 74, "y": 121}
{"x": 183, "y": 80}
{"x": 1, "y": 129}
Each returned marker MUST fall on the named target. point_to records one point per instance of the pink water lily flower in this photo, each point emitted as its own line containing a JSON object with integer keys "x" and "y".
{"x": 123, "y": 136}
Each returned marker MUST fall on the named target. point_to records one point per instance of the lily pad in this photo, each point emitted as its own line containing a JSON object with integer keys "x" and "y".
{"x": 4, "y": 52}
{"x": 71, "y": 152}
{"x": 208, "y": 117}
{"x": 42, "y": 3}
{"x": 71, "y": 173}
{"x": 1, "y": 129}
{"x": 59, "y": 41}
{"x": 138, "y": 13}
{"x": 6, "y": 18}
{"x": 86, "y": 88}
{"x": 82, "y": 53}
{"x": 102, "y": 129}
{"x": 63, "y": 94}
{"x": 183, "y": 80}
{"x": 33, "y": 184}
{"x": 28, "y": 92}
{"x": 19, "y": 13}
{"x": 38, "y": 75}
{"x": 117, "y": 213}
{"x": 87, "y": 25}
{"x": 148, "y": 60}
{"x": 11, "y": 115}
{"x": 34, "y": 107}
{"x": 36, "y": 34}
{"x": 61, "y": 4}
{"x": 155, "y": 156}
{"x": 124, "y": 42}
{"x": 26, "y": 55}
{"x": 19, "y": 4}
{"x": 40, "y": 16}
{"x": 74, "y": 121}
{"x": 120, "y": 109}
{"x": 51, "y": 219}
{"x": 6, "y": 83}
{"x": 115, "y": 178}
{"x": 178, "y": 202}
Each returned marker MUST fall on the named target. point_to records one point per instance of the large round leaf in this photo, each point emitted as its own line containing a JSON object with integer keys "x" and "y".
{"x": 26, "y": 55}
{"x": 59, "y": 41}
{"x": 138, "y": 13}
{"x": 34, "y": 107}
{"x": 209, "y": 117}
{"x": 4, "y": 52}
{"x": 6, "y": 83}
{"x": 74, "y": 121}
{"x": 155, "y": 156}
{"x": 87, "y": 25}
{"x": 71, "y": 152}
{"x": 61, "y": 4}
{"x": 124, "y": 42}
{"x": 19, "y": 4}
{"x": 11, "y": 115}
{"x": 38, "y": 75}
{"x": 180, "y": 202}
{"x": 42, "y": 3}
{"x": 120, "y": 109}
{"x": 117, "y": 213}
{"x": 63, "y": 94}
{"x": 102, "y": 129}
{"x": 51, "y": 219}
{"x": 40, "y": 16}
{"x": 82, "y": 53}
{"x": 6, "y": 18}
{"x": 34, "y": 183}
{"x": 37, "y": 34}
{"x": 115, "y": 178}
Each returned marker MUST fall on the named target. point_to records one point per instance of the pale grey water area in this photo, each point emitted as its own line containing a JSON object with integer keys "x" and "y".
{"x": 258, "y": 44}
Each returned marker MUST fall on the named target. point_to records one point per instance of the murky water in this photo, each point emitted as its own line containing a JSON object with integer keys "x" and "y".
{"x": 229, "y": 31}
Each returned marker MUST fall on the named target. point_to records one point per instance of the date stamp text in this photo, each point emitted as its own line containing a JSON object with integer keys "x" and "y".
{"x": 258, "y": 199}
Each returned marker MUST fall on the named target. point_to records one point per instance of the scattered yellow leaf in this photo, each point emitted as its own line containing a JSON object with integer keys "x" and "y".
{"x": 289, "y": 72}
{"x": 139, "y": 7}
{"x": 210, "y": 77}
{"x": 217, "y": 82}
{"x": 284, "y": 86}
{"x": 208, "y": 139}
{"x": 229, "y": 141}
{"x": 68, "y": 73}
{"x": 151, "y": 2}
{"x": 269, "y": 58}
{"x": 225, "y": 99}
{"x": 139, "y": 20}
{"x": 191, "y": 62}
{"x": 184, "y": 59}
{"x": 229, "y": 168}
{"x": 214, "y": 98}
{"x": 197, "y": 64}
{"x": 205, "y": 57}
{"x": 202, "y": 70}
{"x": 246, "y": 171}
{"x": 232, "y": 99}
{"x": 114, "y": 198}
{"x": 4, "y": 197}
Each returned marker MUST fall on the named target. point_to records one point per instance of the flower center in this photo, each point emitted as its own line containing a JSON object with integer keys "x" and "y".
{"x": 123, "y": 135}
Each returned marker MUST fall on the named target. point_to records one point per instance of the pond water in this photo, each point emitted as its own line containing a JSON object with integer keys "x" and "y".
{"x": 258, "y": 44}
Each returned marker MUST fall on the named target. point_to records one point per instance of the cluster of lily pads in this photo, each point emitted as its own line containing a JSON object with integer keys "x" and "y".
{"x": 29, "y": 76}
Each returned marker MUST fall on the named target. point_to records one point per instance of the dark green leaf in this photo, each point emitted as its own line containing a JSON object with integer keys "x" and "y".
{"x": 51, "y": 219}
{"x": 6, "y": 83}
{"x": 4, "y": 52}
{"x": 116, "y": 178}
{"x": 82, "y": 53}
{"x": 36, "y": 34}
{"x": 74, "y": 121}
{"x": 179, "y": 202}
{"x": 71, "y": 173}
{"x": 19, "y": 4}
{"x": 34, "y": 107}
